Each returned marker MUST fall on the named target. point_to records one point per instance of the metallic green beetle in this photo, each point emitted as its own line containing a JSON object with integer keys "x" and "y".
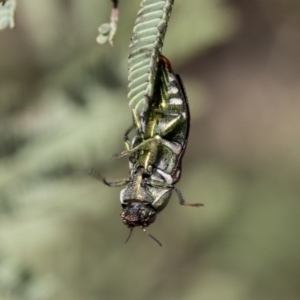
{"x": 163, "y": 129}
{"x": 156, "y": 152}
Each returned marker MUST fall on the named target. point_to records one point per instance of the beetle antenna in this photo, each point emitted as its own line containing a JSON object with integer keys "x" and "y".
{"x": 131, "y": 228}
{"x": 152, "y": 237}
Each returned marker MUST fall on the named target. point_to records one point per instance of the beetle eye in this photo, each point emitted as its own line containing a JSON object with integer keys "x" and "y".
{"x": 151, "y": 218}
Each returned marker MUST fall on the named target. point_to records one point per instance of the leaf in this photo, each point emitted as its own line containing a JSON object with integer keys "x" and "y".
{"x": 7, "y": 14}
{"x": 147, "y": 41}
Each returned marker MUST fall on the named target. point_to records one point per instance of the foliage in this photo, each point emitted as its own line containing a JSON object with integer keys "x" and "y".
{"x": 7, "y": 12}
{"x": 63, "y": 109}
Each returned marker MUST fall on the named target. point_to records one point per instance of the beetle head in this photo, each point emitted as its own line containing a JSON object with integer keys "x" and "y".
{"x": 138, "y": 214}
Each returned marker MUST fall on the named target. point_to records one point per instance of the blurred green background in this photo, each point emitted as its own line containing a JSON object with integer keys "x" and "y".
{"x": 63, "y": 109}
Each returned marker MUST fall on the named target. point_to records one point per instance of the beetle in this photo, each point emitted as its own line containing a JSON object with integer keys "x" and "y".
{"x": 155, "y": 153}
{"x": 162, "y": 131}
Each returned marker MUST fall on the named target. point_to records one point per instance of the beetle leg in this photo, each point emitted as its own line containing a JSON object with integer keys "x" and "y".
{"x": 182, "y": 201}
{"x": 126, "y": 138}
{"x": 117, "y": 182}
{"x": 141, "y": 145}
{"x": 174, "y": 147}
{"x": 167, "y": 128}
{"x": 136, "y": 120}
{"x": 161, "y": 184}
{"x": 171, "y": 125}
{"x": 114, "y": 183}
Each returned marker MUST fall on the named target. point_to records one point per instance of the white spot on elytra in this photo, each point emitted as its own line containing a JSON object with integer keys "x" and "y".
{"x": 176, "y": 101}
{"x": 173, "y": 90}
{"x": 171, "y": 78}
